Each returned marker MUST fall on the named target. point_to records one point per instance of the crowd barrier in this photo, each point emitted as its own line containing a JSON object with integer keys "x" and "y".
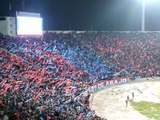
{"x": 108, "y": 83}
{"x": 105, "y": 84}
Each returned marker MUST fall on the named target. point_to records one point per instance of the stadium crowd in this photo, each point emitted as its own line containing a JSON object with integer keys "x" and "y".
{"x": 44, "y": 78}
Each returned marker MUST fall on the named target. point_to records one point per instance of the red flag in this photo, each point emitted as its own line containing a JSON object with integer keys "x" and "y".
{"x": 80, "y": 116}
{"x": 7, "y": 87}
{"x": 42, "y": 72}
{"x": 1, "y": 102}
{"x": 36, "y": 98}
{"x": 16, "y": 87}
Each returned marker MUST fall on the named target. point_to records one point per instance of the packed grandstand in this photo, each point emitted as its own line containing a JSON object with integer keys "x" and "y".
{"x": 44, "y": 78}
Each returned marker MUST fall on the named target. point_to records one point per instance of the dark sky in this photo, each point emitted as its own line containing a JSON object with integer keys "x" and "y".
{"x": 108, "y": 15}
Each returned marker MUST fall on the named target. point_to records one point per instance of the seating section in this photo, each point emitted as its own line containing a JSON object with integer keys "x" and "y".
{"x": 44, "y": 78}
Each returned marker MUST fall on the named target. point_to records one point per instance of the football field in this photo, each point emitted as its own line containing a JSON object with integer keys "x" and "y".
{"x": 149, "y": 109}
{"x": 110, "y": 103}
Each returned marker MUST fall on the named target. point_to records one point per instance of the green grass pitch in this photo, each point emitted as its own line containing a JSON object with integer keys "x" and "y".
{"x": 149, "y": 109}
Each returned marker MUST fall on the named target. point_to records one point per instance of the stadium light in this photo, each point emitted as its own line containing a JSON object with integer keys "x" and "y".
{"x": 143, "y": 15}
{"x": 144, "y": 2}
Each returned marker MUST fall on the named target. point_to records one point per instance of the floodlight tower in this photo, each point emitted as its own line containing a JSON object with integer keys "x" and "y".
{"x": 144, "y": 2}
{"x": 143, "y": 15}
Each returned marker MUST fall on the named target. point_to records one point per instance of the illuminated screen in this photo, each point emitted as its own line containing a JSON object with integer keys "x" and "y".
{"x": 29, "y": 26}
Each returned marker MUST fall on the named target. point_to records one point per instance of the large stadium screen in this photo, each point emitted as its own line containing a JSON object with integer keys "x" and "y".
{"x": 29, "y": 26}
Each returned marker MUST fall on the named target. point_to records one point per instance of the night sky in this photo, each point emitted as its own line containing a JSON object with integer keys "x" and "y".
{"x": 103, "y": 15}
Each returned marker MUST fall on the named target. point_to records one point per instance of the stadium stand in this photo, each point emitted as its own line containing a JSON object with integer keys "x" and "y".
{"x": 44, "y": 78}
